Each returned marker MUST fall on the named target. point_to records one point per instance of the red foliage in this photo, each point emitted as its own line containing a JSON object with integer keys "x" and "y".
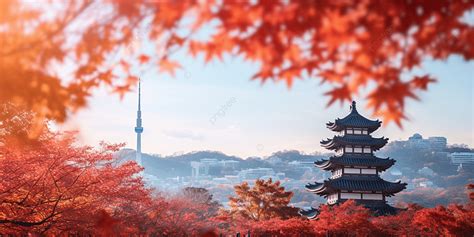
{"x": 180, "y": 217}
{"x": 348, "y": 44}
{"x": 265, "y": 200}
{"x": 453, "y": 220}
{"x": 51, "y": 186}
{"x": 277, "y": 227}
{"x": 397, "y": 225}
{"x": 338, "y": 220}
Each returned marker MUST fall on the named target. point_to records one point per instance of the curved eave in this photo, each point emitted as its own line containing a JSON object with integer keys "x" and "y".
{"x": 310, "y": 213}
{"x": 357, "y": 140}
{"x": 396, "y": 188}
{"x": 357, "y": 183}
{"x": 333, "y": 126}
{"x": 381, "y": 164}
{"x": 317, "y": 188}
{"x": 337, "y": 125}
{"x": 323, "y": 164}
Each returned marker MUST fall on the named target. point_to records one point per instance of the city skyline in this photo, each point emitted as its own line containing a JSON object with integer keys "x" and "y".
{"x": 216, "y": 107}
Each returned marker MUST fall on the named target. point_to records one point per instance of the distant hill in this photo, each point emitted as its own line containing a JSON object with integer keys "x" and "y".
{"x": 180, "y": 165}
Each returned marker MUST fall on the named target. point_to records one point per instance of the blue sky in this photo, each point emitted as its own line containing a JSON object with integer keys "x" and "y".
{"x": 216, "y": 106}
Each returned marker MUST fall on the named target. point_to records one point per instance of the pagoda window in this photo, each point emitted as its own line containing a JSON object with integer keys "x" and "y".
{"x": 367, "y": 149}
{"x": 357, "y": 149}
{"x": 357, "y": 131}
{"x": 372, "y": 196}
{"x": 364, "y": 131}
{"x": 349, "y": 131}
{"x": 350, "y": 196}
{"x": 332, "y": 198}
{"x": 368, "y": 171}
{"x": 351, "y": 171}
{"x": 349, "y": 149}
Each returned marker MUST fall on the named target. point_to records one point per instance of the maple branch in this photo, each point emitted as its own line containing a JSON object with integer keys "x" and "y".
{"x": 33, "y": 223}
{"x": 63, "y": 24}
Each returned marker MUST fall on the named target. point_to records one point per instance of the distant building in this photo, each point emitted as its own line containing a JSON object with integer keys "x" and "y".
{"x": 229, "y": 163}
{"x": 201, "y": 168}
{"x": 417, "y": 141}
{"x": 250, "y": 174}
{"x": 435, "y": 143}
{"x": 462, "y": 158}
{"x": 438, "y": 143}
{"x": 302, "y": 163}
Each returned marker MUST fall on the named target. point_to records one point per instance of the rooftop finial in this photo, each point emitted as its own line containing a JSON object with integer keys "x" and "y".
{"x": 353, "y": 106}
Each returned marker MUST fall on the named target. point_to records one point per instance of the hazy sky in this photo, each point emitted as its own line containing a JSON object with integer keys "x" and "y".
{"x": 216, "y": 106}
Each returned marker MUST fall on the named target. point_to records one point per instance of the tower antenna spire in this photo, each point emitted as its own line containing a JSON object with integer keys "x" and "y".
{"x": 138, "y": 127}
{"x": 139, "y": 93}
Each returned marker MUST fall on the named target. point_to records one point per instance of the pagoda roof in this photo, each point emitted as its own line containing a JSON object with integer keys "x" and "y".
{"x": 354, "y": 120}
{"x": 355, "y": 160}
{"x": 356, "y": 183}
{"x": 361, "y": 140}
{"x": 310, "y": 213}
{"x": 378, "y": 208}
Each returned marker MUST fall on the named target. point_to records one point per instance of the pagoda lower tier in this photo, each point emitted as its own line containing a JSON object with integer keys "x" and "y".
{"x": 355, "y": 161}
{"x": 354, "y": 140}
{"x": 377, "y": 208}
{"x": 357, "y": 187}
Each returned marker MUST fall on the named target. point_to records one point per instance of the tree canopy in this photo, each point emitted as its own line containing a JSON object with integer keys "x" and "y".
{"x": 265, "y": 200}
{"x": 54, "y": 54}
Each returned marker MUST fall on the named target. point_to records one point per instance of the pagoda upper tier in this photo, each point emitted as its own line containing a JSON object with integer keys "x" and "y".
{"x": 355, "y": 160}
{"x": 354, "y": 120}
{"x": 363, "y": 183}
{"x": 354, "y": 140}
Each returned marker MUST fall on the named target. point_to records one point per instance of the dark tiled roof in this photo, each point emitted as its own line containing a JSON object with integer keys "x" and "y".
{"x": 310, "y": 213}
{"x": 356, "y": 183}
{"x": 384, "y": 210}
{"x": 355, "y": 160}
{"x": 354, "y": 119}
{"x": 359, "y": 140}
{"x": 315, "y": 186}
{"x": 377, "y": 208}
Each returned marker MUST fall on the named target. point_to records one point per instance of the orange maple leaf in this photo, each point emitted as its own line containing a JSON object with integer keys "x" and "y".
{"x": 339, "y": 94}
{"x": 168, "y": 66}
{"x": 143, "y": 58}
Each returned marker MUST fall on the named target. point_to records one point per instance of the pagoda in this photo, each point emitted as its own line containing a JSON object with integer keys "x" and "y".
{"x": 354, "y": 168}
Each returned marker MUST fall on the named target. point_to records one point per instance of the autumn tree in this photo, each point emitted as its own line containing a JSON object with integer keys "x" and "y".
{"x": 178, "y": 216}
{"x": 470, "y": 190}
{"x": 201, "y": 196}
{"x": 265, "y": 200}
{"x": 17, "y": 124}
{"x": 397, "y": 225}
{"x": 346, "y": 219}
{"x": 349, "y": 45}
{"x": 52, "y": 186}
{"x": 293, "y": 227}
{"x": 454, "y": 220}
